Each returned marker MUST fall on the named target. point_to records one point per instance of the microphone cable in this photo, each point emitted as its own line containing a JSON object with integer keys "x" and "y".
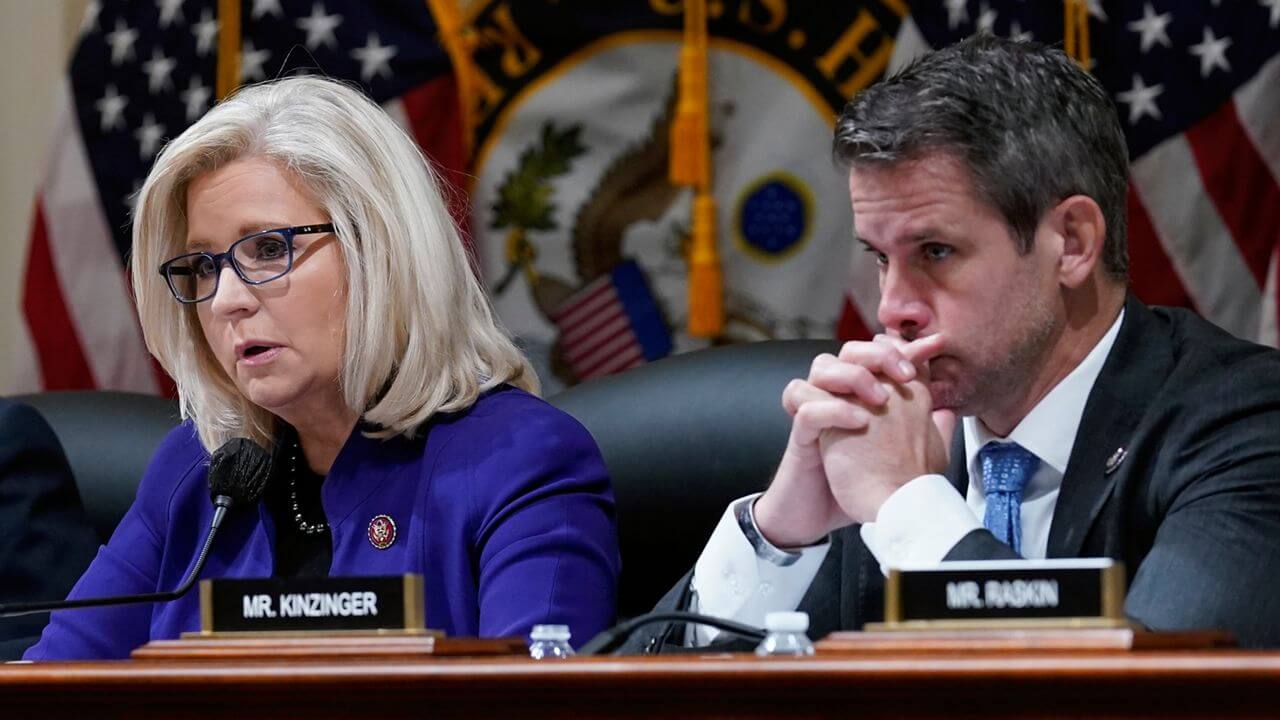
{"x": 610, "y": 640}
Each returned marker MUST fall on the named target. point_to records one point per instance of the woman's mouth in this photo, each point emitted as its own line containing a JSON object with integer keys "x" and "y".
{"x": 258, "y": 354}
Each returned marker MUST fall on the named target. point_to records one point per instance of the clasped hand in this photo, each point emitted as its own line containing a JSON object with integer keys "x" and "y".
{"x": 863, "y": 425}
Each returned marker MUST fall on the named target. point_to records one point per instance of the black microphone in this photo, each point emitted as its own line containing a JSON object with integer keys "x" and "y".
{"x": 610, "y": 640}
{"x": 238, "y": 475}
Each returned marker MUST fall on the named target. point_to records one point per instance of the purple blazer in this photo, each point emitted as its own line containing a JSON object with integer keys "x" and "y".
{"x": 505, "y": 509}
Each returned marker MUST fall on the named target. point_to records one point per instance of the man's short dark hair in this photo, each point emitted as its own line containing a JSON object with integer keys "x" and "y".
{"x": 1031, "y": 126}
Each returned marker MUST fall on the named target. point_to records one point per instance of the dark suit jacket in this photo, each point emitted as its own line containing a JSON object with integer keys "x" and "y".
{"x": 45, "y": 538}
{"x": 1193, "y": 510}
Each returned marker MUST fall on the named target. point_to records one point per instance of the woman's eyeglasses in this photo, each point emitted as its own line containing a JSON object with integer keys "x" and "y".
{"x": 258, "y": 258}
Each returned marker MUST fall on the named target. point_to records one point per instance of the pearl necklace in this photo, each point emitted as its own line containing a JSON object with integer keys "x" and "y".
{"x": 305, "y": 527}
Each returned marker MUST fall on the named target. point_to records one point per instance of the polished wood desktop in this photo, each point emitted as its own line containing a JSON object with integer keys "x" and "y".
{"x": 381, "y": 679}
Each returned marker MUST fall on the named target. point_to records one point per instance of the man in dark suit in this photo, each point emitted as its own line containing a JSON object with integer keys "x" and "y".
{"x": 1020, "y": 402}
{"x": 45, "y": 538}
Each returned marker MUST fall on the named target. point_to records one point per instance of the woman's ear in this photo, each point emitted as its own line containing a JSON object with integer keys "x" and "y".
{"x": 1082, "y": 231}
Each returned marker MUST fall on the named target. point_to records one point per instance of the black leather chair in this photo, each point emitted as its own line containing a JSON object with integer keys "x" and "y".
{"x": 108, "y": 438}
{"x": 682, "y": 437}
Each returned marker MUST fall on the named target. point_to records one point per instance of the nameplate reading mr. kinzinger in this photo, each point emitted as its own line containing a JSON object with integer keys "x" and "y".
{"x": 319, "y": 604}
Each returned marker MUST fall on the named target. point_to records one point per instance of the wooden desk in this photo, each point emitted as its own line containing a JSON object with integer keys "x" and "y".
{"x": 953, "y": 685}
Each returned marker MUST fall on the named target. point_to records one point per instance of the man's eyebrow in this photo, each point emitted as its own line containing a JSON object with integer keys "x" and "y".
{"x": 915, "y": 238}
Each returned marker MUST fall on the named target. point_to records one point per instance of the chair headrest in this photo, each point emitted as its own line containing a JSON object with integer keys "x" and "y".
{"x": 109, "y": 438}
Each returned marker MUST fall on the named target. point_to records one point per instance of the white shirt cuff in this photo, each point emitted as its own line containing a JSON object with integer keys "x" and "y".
{"x": 919, "y": 524}
{"x": 731, "y": 582}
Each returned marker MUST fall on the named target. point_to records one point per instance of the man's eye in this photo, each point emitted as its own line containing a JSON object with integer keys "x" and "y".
{"x": 935, "y": 251}
{"x": 881, "y": 258}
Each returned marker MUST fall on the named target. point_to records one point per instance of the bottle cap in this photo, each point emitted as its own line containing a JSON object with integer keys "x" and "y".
{"x": 556, "y": 632}
{"x": 786, "y": 622}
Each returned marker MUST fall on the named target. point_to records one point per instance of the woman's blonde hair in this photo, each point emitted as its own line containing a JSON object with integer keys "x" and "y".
{"x": 420, "y": 336}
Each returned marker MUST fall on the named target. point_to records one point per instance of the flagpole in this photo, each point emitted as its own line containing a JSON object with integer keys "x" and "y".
{"x": 1075, "y": 31}
{"x": 228, "y": 47}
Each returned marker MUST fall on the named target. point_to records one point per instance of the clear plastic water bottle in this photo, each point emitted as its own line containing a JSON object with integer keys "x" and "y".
{"x": 786, "y": 635}
{"x": 549, "y": 642}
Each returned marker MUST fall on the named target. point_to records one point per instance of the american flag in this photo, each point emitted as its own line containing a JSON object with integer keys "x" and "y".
{"x": 1196, "y": 83}
{"x": 143, "y": 71}
{"x": 1197, "y": 86}
{"x": 612, "y": 324}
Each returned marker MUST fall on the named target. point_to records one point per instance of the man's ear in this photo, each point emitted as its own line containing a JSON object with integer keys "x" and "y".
{"x": 1081, "y": 228}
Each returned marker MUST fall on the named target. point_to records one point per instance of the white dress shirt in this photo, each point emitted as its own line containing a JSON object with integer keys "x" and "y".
{"x": 918, "y": 524}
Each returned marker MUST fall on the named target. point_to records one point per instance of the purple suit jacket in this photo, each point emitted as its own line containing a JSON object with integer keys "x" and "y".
{"x": 505, "y": 509}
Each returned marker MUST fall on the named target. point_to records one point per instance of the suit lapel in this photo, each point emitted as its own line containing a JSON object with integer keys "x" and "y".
{"x": 1133, "y": 372}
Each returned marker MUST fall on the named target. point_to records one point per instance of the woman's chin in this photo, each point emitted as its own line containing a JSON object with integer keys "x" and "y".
{"x": 272, "y": 394}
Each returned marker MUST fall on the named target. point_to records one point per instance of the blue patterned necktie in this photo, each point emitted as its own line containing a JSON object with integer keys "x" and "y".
{"x": 1006, "y": 470}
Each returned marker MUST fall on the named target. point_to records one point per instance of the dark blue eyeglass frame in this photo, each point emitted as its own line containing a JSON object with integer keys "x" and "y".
{"x": 173, "y": 266}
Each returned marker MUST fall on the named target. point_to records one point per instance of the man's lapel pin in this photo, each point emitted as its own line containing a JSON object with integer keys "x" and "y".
{"x": 1116, "y": 458}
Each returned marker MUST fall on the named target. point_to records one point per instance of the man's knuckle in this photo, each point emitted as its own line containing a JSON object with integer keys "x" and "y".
{"x": 861, "y": 378}
{"x": 854, "y": 348}
{"x": 821, "y": 362}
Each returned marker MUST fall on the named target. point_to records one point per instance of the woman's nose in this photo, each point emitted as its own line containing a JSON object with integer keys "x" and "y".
{"x": 232, "y": 295}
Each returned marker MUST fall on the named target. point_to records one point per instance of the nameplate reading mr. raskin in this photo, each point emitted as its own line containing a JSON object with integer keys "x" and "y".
{"x": 996, "y": 592}
{"x": 320, "y": 604}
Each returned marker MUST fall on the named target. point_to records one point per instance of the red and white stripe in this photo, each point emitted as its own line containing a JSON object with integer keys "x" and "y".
{"x": 430, "y": 114}
{"x": 76, "y": 304}
{"x": 1212, "y": 199}
{"x": 595, "y": 332}
{"x": 1258, "y": 107}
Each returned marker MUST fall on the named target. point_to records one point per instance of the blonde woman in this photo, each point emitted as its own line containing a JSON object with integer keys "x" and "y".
{"x": 297, "y": 273}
